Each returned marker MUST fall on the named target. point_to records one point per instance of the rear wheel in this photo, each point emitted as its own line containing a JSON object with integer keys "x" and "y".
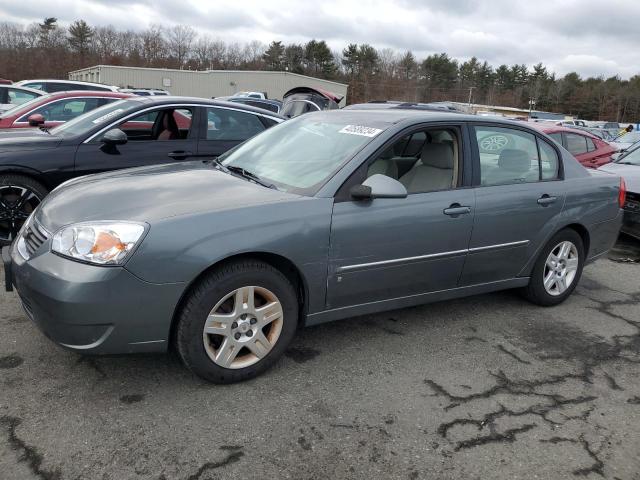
{"x": 237, "y": 322}
{"x": 19, "y": 196}
{"x": 557, "y": 270}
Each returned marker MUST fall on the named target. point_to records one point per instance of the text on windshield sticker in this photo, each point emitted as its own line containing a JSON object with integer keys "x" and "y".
{"x": 361, "y": 130}
{"x": 107, "y": 116}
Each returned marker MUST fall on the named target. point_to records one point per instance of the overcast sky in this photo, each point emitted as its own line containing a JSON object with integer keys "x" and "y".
{"x": 592, "y": 37}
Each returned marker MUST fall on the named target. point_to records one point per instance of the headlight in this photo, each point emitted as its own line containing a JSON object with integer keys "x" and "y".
{"x": 102, "y": 243}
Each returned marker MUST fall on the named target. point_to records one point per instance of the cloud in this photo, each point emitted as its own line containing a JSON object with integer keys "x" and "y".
{"x": 593, "y": 37}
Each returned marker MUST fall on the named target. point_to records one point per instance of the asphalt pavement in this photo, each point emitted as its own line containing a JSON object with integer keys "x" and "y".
{"x": 487, "y": 387}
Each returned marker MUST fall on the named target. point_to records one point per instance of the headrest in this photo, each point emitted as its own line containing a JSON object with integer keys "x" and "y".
{"x": 514, "y": 160}
{"x": 438, "y": 155}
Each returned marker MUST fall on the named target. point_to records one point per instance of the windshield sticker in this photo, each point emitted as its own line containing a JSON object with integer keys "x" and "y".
{"x": 360, "y": 130}
{"x": 108, "y": 116}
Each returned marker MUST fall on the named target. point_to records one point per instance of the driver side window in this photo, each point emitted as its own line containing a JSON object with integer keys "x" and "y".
{"x": 424, "y": 161}
{"x": 161, "y": 125}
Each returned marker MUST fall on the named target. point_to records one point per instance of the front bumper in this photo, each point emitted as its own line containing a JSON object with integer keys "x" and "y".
{"x": 93, "y": 309}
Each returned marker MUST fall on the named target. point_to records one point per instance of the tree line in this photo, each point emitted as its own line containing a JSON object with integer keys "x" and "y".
{"x": 50, "y": 50}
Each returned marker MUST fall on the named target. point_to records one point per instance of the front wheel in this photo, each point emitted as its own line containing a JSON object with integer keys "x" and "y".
{"x": 19, "y": 196}
{"x": 557, "y": 269}
{"x": 237, "y": 322}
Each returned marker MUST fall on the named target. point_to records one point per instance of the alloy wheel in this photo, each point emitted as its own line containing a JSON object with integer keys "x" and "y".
{"x": 16, "y": 204}
{"x": 561, "y": 268}
{"x": 243, "y": 327}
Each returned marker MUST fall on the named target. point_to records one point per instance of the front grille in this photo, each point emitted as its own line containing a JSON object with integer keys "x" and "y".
{"x": 632, "y": 203}
{"x": 34, "y": 236}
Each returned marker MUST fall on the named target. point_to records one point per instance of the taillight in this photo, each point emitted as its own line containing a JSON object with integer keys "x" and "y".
{"x": 622, "y": 193}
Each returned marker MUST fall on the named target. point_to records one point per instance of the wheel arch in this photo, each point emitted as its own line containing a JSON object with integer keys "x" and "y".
{"x": 584, "y": 235}
{"x": 32, "y": 173}
{"x": 281, "y": 263}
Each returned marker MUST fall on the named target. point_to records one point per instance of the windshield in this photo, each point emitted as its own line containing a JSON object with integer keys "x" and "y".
{"x": 631, "y": 137}
{"x": 300, "y": 155}
{"x": 633, "y": 157}
{"x": 87, "y": 122}
{"x": 26, "y": 106}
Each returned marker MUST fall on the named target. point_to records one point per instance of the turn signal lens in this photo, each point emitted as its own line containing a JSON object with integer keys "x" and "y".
{"x": 102, "y": 243}
{"x": 622, "y": 193}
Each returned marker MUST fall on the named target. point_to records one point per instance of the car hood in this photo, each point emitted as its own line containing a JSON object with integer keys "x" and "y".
{"x": 150, "y": 193}
{"x": 12, "y": 139}
{"x": 630, "y": 173}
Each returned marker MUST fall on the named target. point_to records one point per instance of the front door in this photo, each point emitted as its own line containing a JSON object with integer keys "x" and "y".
{"x": 158, "y": 136}
{"x": 391, "y": 248}
{"x": 518, "y": 201}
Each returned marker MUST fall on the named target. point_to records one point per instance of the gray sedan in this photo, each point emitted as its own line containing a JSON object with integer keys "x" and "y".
{"x": 327, "y": 216}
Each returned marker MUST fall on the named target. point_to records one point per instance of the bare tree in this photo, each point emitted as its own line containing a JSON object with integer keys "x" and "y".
{"x": 180, "y": 40}
{"x": 153, "y": 45}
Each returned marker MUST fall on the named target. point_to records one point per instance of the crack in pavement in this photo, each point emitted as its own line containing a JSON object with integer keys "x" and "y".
{"x": 231, "y": 458}
{"x": 27, "y": 453}
{"x": 512, "y": 354}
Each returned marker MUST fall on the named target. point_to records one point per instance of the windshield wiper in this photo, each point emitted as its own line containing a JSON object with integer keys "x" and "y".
{"x": 248, "y": 175}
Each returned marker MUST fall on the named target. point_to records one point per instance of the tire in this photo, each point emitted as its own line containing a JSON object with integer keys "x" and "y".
{"x": 536, "y": 292}
{"x": 12, "y": 187}
{"x": 234, "y": 348}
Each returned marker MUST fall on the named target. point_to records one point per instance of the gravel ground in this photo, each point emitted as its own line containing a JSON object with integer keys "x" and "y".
{"x": 488, "y": 387}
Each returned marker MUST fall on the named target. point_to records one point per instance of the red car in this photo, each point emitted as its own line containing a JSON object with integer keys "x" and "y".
{"x": 56, "y": 108}
{"x": 588, "y": 149}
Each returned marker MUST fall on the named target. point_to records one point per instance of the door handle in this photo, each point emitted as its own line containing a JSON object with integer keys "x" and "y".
{"x": 545, "y": 200}
{"x": 456, "y": 209}
{"x": 179, "y": 154}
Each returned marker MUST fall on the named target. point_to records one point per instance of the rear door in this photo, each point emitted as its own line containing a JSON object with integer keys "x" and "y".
{"x": 152, "y": 139}
{"x": 402, "y": 247}
{"x": 519, "y": 196}
{"x": 224, "y": 128}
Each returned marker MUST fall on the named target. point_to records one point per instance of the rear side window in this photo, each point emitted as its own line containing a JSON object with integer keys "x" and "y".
{"x": 576, "y": 144}
{"x": 231, "y": 125}
{"x": 549, "y": 162}
{"x": 507, "y": 156}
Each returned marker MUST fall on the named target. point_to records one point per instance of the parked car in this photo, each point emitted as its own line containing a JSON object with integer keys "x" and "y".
{"x": 300, "y": 100}
{"x": 271, "y": 105}
{"x": 51, "y": 86}
{"x": 323, "y": 217}
{"x": 145, "y": 92}
{"x": 628, "y": 167}
{"x": 384, "y": 104}
{"x": 134, "y": 131}
{"x": 588, "y": 149}
{"x": 573, "y": 123}
{"x": 601, "y": 133}
{"x": 4, "y": 81}
{"x": 625, "y": 141}
{"x": 54, "y": 109}
{"x": 262, "y": 95}
{"x": 11, "y": 96}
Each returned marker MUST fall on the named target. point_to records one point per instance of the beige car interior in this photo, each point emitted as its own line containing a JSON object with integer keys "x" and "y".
{"x": 422, "y": 162}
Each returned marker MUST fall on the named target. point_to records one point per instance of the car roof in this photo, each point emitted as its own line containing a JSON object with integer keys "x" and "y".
{"x": 558, "y": 128}
{"x": 87, "y": 93}
{"x": 58, "y": 80}
{"x": 171, "y": 99}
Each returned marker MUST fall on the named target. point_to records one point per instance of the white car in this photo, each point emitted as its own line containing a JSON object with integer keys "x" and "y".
{"x": 12, "y": 95}
{"x": 54, "y": 85}
{"x": 250, "y": 95}
{"x": 145, "y": 92}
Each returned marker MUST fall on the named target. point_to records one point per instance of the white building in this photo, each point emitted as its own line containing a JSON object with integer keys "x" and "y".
{"x": 206, "y": 83}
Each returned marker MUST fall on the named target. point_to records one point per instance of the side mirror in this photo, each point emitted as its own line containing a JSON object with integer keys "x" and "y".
{"x": 115, "y": 136}
{"x": 378, "y": 186}
{"x": 35, "y": 120}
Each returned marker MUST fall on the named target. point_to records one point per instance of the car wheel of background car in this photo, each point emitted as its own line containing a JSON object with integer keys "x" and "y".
{"x": 557, "y": 269}
{"x": 19, "y": 196}
{"x": 493, "y": 143}
{"x": 237, "y": 321}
